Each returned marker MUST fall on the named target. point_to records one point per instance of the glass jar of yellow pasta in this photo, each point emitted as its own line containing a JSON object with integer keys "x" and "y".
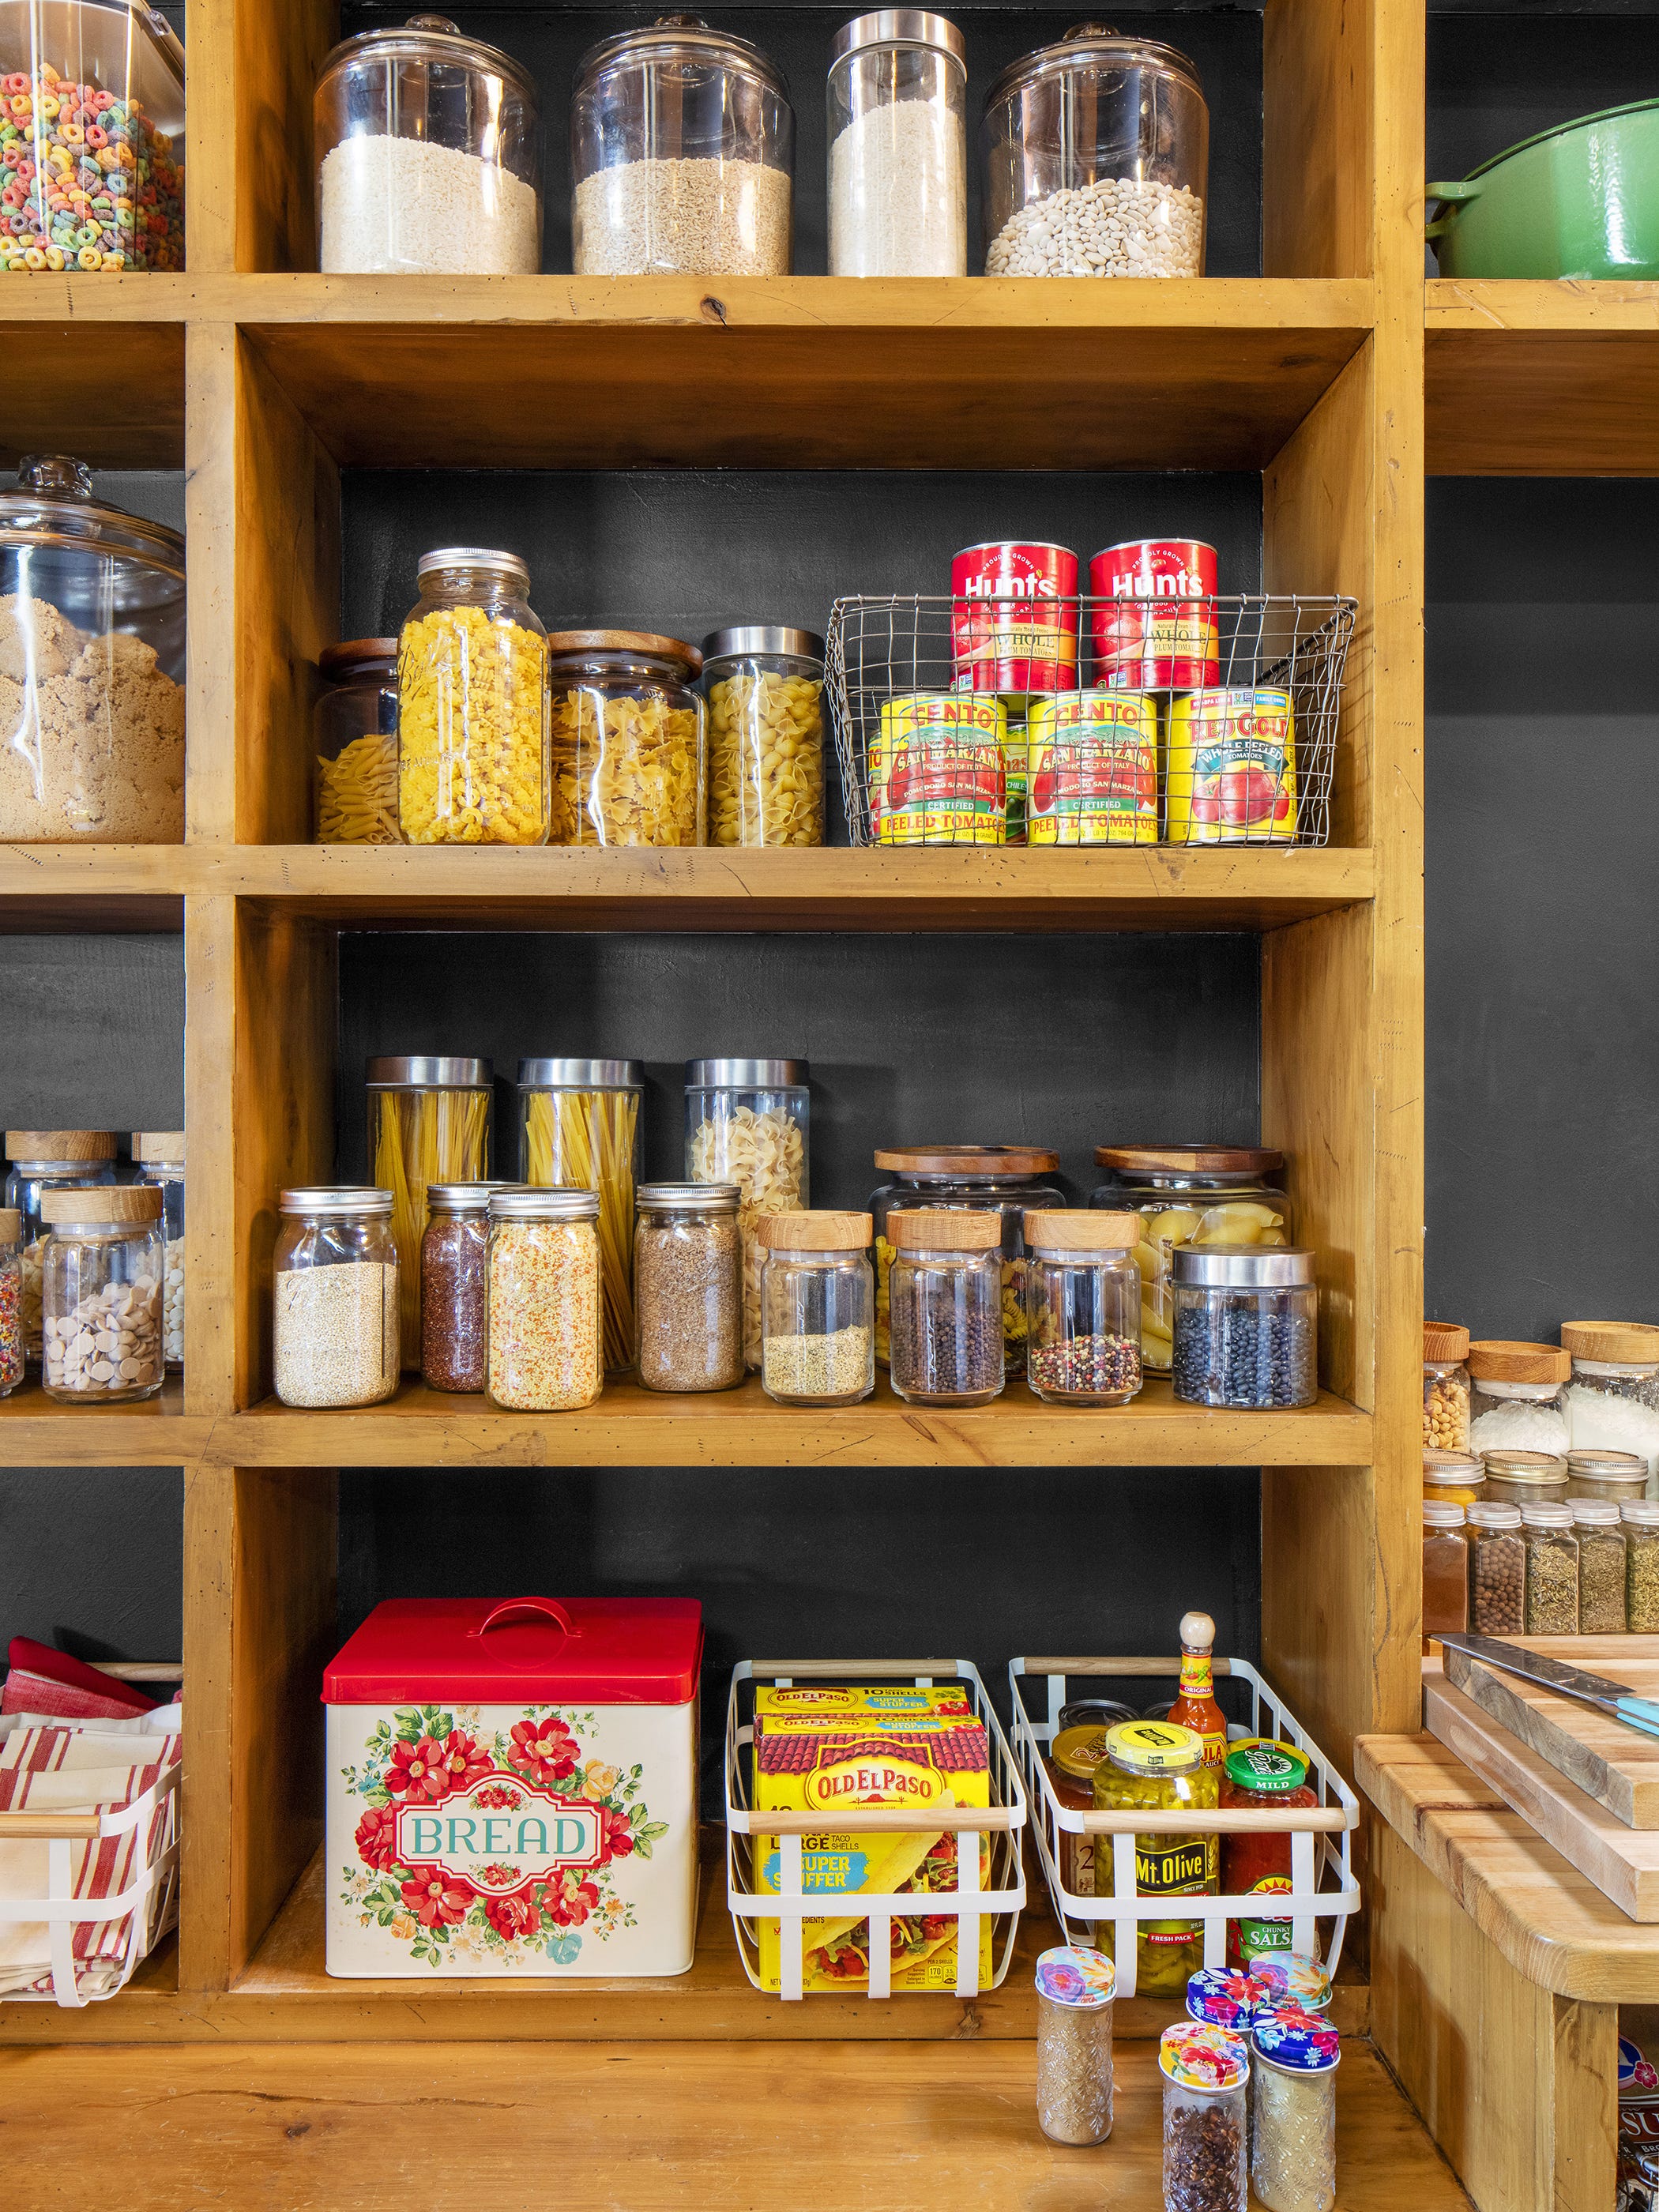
{"x": 628, "y": 738}
{"x": 355, "y": 743}
{"x": 765, "y": 691}
{"x": 580, "y": 1126}
{"x": 429, "y": 1122}
{"x": 747, "y": 1123}
{"x": 1009, "y": 1180}
{"x": 1189, "y": 1194}
{"x": 472, "y": 704}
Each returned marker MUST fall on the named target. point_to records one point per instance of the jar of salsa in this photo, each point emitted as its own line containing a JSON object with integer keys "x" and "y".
{"x": 1260, "y": 1777}
{"x": 1071, "y": 1760}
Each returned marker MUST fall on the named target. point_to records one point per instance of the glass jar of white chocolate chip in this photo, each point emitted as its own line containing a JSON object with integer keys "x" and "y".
{"x": 158, "y": 1157}
{"x": 100, "y": 1294}
{"x": 1096, "y": 160}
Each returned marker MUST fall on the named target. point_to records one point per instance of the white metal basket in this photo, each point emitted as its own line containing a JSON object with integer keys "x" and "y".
{"x": 1323, "y": 1885}
{"x": 792, "y": 1906}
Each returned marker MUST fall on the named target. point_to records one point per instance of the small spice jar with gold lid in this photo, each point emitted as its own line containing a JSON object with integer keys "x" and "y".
{"x": 1445, "y": 1386}
{"x": 1072, "y": 1759}
{"x": 1453, "y": 1478}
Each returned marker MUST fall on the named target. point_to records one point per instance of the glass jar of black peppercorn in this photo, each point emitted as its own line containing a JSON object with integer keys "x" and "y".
{"x": 1244, "y": 1325}
{"x": 944, "y": 1307}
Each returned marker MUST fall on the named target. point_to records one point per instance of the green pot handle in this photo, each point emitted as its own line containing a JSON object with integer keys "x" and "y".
{"x": 1453, "y": 195}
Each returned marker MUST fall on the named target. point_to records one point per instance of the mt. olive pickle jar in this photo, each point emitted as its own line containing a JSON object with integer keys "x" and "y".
{"x": 1552, "y": 1571}
{"x": 1009, "y": 1179}
{"x": 1613, "y": 1398}
{"x": 1075, "y": 1986}
{"x": 1157, "y": 1764}
{"x": 945, "y": 1295}
{"x": 1293, "y": 2127}
{"x": 1445, "y": 1386}
{"x": 354, "y": 742}
{"x": 1602, "y": 1567}
{"x": 1498, "y": 1570}
{"x": 1517, "y": 1398}
{"x": 1205, "y": 2070}
{"x": 101, "y": 1275}
{"x": 688, "y": 1287}
{"x": 817, "y": 1307}
{"x": 1641, "y": 1527}
{"x": 1244, "y": 1325}
{"x": 43, "y": 1160}
{"x": 1082, "y": 1306}
{"x": 765, "y": 736}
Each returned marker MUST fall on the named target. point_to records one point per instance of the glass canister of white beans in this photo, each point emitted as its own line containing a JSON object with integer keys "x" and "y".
{"x": 101, "y": 1279}
{"x": 158, "y": 1157}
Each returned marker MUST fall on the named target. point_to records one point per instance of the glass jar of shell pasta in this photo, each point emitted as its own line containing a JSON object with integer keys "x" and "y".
{"x": 746, "y": 1123}
{"x": 765, "y": 736}
{"x": 628, "y": 738}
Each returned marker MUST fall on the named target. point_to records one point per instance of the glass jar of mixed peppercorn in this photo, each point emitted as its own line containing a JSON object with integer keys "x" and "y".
{"x": 1082, "y": 1308}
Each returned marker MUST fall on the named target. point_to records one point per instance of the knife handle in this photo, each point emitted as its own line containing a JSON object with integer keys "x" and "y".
{"x": 1641, "y": 1713}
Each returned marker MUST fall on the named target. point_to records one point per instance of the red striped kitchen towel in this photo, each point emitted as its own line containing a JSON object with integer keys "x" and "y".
{"x": 42, "y": 1680}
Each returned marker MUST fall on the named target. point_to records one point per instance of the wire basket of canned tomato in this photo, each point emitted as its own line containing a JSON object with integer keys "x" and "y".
{"x": 1027, "y": 713}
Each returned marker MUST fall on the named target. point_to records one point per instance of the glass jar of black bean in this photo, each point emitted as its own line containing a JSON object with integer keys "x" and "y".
{"x": 1244, "y": 1325}
{"x": 945, "y": 1306}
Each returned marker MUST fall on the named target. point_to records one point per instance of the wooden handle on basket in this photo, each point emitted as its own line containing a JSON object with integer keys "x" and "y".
{"x": 49, "y": 1827}
{"x": 882, "y": 1820}
{"x": 141, "y": 1670}
{"x": 1117, "y": 1666}
{"x": 1226, "y": 1821}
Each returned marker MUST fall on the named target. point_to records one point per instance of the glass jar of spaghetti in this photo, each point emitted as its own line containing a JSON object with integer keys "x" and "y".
{"x": 429, "y": 1122}
{"x": 541, "y": 1301}
{"x": 1260, "y": 1777}
{"x": 628, "y": 738}
{"x": 354, "y": 735}
{"x": 1009, "y": 1180}
{"x": 580, "y": 1128}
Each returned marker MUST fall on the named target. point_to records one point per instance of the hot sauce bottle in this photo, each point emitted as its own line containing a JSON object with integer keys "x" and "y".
{"x": 1196, "y": 1707}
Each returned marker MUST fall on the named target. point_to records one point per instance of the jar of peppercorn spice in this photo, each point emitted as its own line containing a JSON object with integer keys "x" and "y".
{"x": 944, "y": 1307}
{"x": 1082, "y": 1308}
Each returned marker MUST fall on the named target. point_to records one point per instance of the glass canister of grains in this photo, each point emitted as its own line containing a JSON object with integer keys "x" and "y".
{"x": 1552, "y": 1570}
{"x": 541, "y": 1301}
{"x": 159, "y": 1157}
{"x": 1445, "y": 1386}
{"x": 1498, "y": 1570}
{"x": 353, "y": 737}
{"x": 1157, "y": 1766}
{"x": 688, "y": 1287}
{"x": 1082, "y": 1306}
{"x": 748, "y": 1121}
{"x": 336, "y": 1334}
{"x": 429, "y": 1122}
{"x": 1244, "y": 1325}
{"x": 1601, "y": 1566}
{"x": 1517, "y": 1398}
{"x": 1293, "y": 2127}
{"x": 472, "y": 746}
{"x": 43, "y": 1160}
{"x": 944, "y": 1307}
{"x": 1445, "y": 1569}
{"x": 1641, "y": 1527}
{"x": 582, "y": 1128}
{"x": 1205, "y": 2071}
{"x": 898, "y": 146}
{"x": 1613, "y": 1397}
{"x": 453, "y": 1286}
{"x": 628, "y": 738}
{"x": 101, "y": 1276}
{"x": 11, "y": 1299}
{"x": 1075, "y": 1986}
{"x": 1011, "y": 1180}
{"x": 765, "y": 690}
{"x": 817, "y": 1307}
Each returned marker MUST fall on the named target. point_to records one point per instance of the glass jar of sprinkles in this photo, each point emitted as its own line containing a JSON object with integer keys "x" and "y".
{"x": 944, "y": 1307}
{"x": 817, "y": 1308}
{"x": 1641, "y": 1527}
{"x": 1517, "y": 1397}
{"x": 1601, "y": 1566}
{"x": 541, "y": 1301}
{"x": 1445, "y": 1386}
{"x": 1612, "y": 1396}
{"x": 1552, "y": 1570}
{"x": 1204, "y": 2070}
{"x": 336, "y": 1328}
{"x": 11, "y": 1299}
{"x": 1075, "y": 1987}
{"x": 688, "y": 1287}
{"x": 1498, "y": 1570}
{"x": 453, "y": 1286}
{"x": 1244, "y": 1325}
{"x": 1293, "y": 2131}
{"x": 1083, "y": 1308}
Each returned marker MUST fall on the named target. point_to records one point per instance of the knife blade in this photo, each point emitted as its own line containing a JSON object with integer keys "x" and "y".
{"x": 1617, "y": 1699}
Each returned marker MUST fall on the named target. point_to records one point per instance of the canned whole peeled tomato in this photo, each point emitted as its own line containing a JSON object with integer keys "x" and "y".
{"x": 1013, "y": 618}
{"x": 938, "y": 773}
{"x": 1153, "y": 617}
{"x": 1230, "y": 769}
{"x": 1093, "y": 770}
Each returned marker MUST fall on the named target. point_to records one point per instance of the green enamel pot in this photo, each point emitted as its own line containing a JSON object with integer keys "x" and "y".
{"x": 1582, "y": 200}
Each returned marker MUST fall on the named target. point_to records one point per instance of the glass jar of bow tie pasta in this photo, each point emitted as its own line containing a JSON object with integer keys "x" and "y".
{"x": 765, "y": 736}
{"x": 628, "y": 738}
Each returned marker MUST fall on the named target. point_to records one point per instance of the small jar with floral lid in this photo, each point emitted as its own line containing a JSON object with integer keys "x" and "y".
{"x": 1293, "y": 2137}
{"x": 1205, "y": 2072}
{"x": 1075, "y": 1987}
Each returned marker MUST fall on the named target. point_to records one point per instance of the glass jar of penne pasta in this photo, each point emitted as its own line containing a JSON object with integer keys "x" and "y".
{"x": 628, "y": 738}
{"x": 579, "y": 1125}
{"x": 355, "y": 742}
{"x": 429, "y": 1122}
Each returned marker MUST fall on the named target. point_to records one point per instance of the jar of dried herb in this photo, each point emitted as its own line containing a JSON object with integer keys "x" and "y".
{"x": 1601, "y": 1566}
{"x": 1641, "y": 1527}
{"x": 1075, "y": 1987}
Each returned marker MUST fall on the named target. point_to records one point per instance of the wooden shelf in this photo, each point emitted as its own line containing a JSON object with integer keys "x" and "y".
{"x": 1542, "y": 378}
{"x": 36, "y": 1432}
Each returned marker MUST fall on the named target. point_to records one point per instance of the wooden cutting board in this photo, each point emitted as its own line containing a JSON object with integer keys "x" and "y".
{"x": 1623, "y": 1862}
{"x": 1609, "y": 1761}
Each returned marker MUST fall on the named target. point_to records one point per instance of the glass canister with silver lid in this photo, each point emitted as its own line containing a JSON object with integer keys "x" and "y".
{"x": 747, "y": 1121}
{"x": 898, "y": 146}
{"x": 1245, "y": 1319}
{"x": 336, "y": 1329}
{"x": 765, "y": 688}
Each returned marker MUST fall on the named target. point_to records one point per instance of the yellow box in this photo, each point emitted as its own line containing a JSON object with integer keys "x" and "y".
{"x": 822, "y": 1749}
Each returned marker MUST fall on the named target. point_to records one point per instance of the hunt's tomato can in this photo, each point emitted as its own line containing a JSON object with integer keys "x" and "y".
{"x": 1093, "y": 770}
{"x": 938, "y": 771}
{"x": 513, "y": 1788}
{"x": 1229, "y": 770}
{"x": 1153, "y": 620}
{"x": 1013, "y": 618}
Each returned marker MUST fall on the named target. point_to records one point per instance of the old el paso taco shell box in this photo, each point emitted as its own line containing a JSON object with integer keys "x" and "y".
{"x": 513, "y": 1787}
{"x": 837, "y": 1751}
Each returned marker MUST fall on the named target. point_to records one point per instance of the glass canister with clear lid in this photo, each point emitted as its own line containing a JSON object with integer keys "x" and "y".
{"x": 472, "y": 759}
{"x": 1295, "y": 2054}
{"x": 898, "y": 146}
{"x": 354, "y": 736}
{"x": 541, "y": 1301}
{"x": 1206, "y": 2072}
{"x": 688, "y": 1287}
{"x": 682, "y": 155}
{"x": 1157, "y": 1764}
{"x": 1517, "y": 1397}
{"x": 429, "y": 1122}
{"x": 1445, "y": 1386}
{"x": 1189, "y": 1194}
{"x": 628, "y": 738}
{"x": 158, "y": 1157}
{"x": 429, "y": 155}
{"x": 1007, "y": 1179}
{"x": 1612, "y": 1395}
{"x": 944, "y": 1300}
{"x": 1082, "y": 1306}
{"x": 817, "y": 1300}
{"x": 11, "y": 1300}
{"x": 581, "y": 1126}
{"x": 1096, "y": 160}
{"x": 748, "y": 1121}
{"x": 1245, "y": 1327}
{"x": 101, "y": 1272}
{"x": 336, "y": 1334}
{"x": 43, "y": 1160}
{"x": 92, "y": 137}
{"x": 765, "y": 690}
{"x": 92, "y": 665}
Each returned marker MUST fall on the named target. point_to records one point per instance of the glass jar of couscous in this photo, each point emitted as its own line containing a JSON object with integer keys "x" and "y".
{"x": 1158, "y": 1765}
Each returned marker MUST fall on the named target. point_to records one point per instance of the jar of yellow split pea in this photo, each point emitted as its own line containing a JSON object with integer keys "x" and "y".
{"x": 473, "y": 733}
{"x": 765, "y": 690}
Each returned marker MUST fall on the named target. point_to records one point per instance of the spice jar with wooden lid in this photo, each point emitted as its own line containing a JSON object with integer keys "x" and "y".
{"x": 1455, "y": 1478}
{"x": 1613, "y": 1398}
{"x": 1445, "y": 1386}
{"x": 1525, "y": 1478}
{"x": 817, "y": 1308}
{"x": 1082, "y": 1307}
{"x": 944, "y": 1307}
{"x": 1517, "y": 1396}
{"x": 43, "y": 1160}
{"x": 101, "y": 1273}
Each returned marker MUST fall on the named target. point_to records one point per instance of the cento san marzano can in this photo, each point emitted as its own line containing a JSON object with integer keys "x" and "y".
{"x": 1014, "y": 618}
{"x": 1230, "y": 769}
{"x": 1153, "y": 615}
{"x": 1093, "y": 769}
{"x": 938, "y": 771}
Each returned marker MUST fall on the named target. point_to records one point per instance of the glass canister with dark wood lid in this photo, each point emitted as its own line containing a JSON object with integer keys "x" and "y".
{"x": 1004, "y": 1179}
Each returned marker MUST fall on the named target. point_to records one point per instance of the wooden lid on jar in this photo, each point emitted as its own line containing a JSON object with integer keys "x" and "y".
{"x": 114, "y": 1204}
{"x": 1188, "y": 1159}
{"x": 1500, "y": 1359}
{"x": 977, "y": 1162}
{"x": 1090, "y": 1230}
{"x": 944, "y": 1229}
{"x": 1444, "y": 1342}
{"x": 813, "y": 1232}
{"x": 11, "y": 1225}
{"x": 645, "y": 644}
{"x": 1613, "y": 1343}
{"x": 163, "y": 1145}
{"x": 60, "y": 1144}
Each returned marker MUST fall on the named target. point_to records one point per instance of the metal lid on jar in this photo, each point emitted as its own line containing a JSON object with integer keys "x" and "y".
{"x": 336, "y": 1200}
{"x": 1195, "y": 2055}
{"x": 813, "y": 1232}
{"x": 84, "y": 1146}
{"x": 1544, "y": 1469}
{"x": 1295, "y": 1977}
{"x": 1267, "y": 1765}
{"x": 464, "y": 1197}
{"x": 1224, "y": 1997}
{"x": 1609, "y": 1466}
{"x": 575, "y": 646}
{"x": 746, "y": 1074}
{"x": 944, "y": 1229}
{"x": 1639, "y": 1513}
{"x": 107, "y": 1205}
{"x": 1439, "y": 1466}
{"x": 1077, "y": 1750}
{"x": 1242, "y": 1266}
{"x": 1096, "y": 1712}
{"x": 1154, "y": 1747}
{"x": 682, "y": 39}
{"x": 1444, "y": 1343}
{"x": 430, "y": 39}
{"x": 978, "y": 1163}
{"x": 1594, "y": 1512}
{"x": 580, "y": 1074}
{"x": 420, "y": 1071}
{"x": 1073, "y": 1975}
{"x": 358, "y": 656}
{"x": 1547, "y": 1514}
{"x": 1188, "y": 1159}
{"x": 689, "y": 1197}
{"x": 1088, "y": 49}
{"x": 898, "y": 27}
{"x": 53, "y": 504}
{"x": 1493, "y": 1515}
{"x": 474, "y": 556}
{"x": 758, "y": 640}
{"x": 525, "y": 1204}
{"x": 1443, "y": 1513}
{"x": 1501, "y": 1359}
{"x": 1297, "y": 2042}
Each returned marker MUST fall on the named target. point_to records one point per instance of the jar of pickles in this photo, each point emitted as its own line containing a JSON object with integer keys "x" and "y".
{"x": 765, "y": 690}
{"x": 1641, "y": 1527}
{"x": 43, "y": 1160}
{"x": 1517, "y": 1397}
{"x": 354, "y": 742}
{"x": 1157, "y": 1766}
{"x": 472, "y": 765}
{"x": 627, "y": 738}
{"x": 1453, "y": 1478}
{"x": 1602, "y": 1555}
{"x": 1009, "y": 1180}
{"x": 541, "y": 1301}
{"x": 1189, "y": 1194}
{"x": 1445, "y": 1386}
{"x": 945, "y": 1292}
{"x": 1613, "y": 1397}
{"x": 748, "y": 1123}
{"x": 1498, "y": 1570}
{"x": 581, "y": 1125}
{"x": 817, "y": 1300}
{"x": 429, "y": 1122}
{"x": 1082, "y": 1306}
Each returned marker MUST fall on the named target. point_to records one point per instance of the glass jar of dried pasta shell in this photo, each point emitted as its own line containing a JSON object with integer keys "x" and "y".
{"x": 628, "y": 738}
{"x": 765, "y": 736}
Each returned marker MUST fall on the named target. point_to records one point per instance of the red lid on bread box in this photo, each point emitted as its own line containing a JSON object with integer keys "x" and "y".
{"x": 504, "y": 1651}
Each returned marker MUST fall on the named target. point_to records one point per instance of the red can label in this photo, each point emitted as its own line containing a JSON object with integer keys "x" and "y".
{"x": 1013, "y": 618}
{"x": 1154, "y": 614}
